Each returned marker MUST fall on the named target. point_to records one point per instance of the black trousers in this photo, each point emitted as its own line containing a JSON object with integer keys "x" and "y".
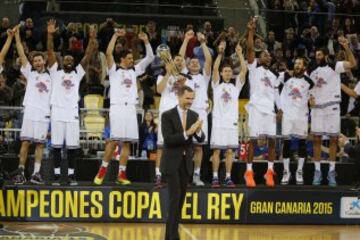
{"x": 177, "y": 184}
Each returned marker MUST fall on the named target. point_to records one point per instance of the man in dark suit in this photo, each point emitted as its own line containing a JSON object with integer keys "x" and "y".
{"x": 179, "y": 125}
{"x": 354, "y": 153}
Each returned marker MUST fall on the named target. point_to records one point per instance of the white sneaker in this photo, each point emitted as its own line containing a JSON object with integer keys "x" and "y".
{"x": 197, "y": 181}
{"x": 286, "y": 178}
{"x": 299, "y": 177}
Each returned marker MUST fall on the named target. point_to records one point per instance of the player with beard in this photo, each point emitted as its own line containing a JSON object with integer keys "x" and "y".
{"x": 123, "y": 100}
{"x": 325, "y": 115}
{"x": 261, "y": 107}
{"x": 225, "y": 132}
{"x": 294, "y": 111}
{"x": 36, "y": 104}
{"x": 65, "y": 126}
{"x": 199, "y": 82}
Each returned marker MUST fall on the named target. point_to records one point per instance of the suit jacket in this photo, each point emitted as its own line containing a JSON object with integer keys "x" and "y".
{"x": 175, "y": 144}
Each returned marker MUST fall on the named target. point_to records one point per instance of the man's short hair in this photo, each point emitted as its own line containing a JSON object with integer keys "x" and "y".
{"x": 123, "y": 53}
{"x": 184, "y": 89}
{"x": 324, "y": 50}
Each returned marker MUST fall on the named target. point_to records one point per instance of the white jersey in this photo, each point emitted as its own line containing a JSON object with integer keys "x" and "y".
{"x": 38, "y": 89}
{"x": 295, "y": 95}
{"x": 357, "y": 89}
{"x": 199, "y": 83}
{"x": 65, "y": 94}
{"x": 226, "y": 104}
{"x": 123, "y": 85}
{"x": 263, "y": 88}
{"x": 327, "y": 89}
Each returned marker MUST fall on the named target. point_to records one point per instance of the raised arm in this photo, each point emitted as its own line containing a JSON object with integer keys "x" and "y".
{"x": 207, "y": 54}
{"x": 5, "y": 49}
{"x": 351, "y": 63}
{"x": 243, "y": 66}
{"x": 51, "y": 29}
{"x": 250, "y": 41}
{"x": 216, "y": 74}
{"x": 142, "y": 65}
{"x": 188, "y": 35}
{"x": 349, "y": 91}
{"x": 19, "y": 46}
{"x": 91, "y": 47}
{"x": 109, "y": 51}
{"x": 162, "y": 84}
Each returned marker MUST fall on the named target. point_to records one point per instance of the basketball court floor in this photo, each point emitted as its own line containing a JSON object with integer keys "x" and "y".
{"x": 138, "y": 231}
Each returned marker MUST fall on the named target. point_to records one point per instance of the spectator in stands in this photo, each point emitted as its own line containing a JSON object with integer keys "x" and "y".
{"x": 5, "y": 25}
{"x": 271, "y": 43}
{"x": 147, "y": 135}
{"x": 153, "y": 34}
{"x": 73, "y": 42}
{"x": 5, "y": 92}
{"x": 349, "y": 26}
{"x": 28, "y": 35}
{"x": 106, "y": 30}
{"x": 209, "y": 34}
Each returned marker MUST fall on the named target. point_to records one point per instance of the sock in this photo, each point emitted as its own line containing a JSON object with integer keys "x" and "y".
{"x": 249, "y": 167}
{"x": 300, "y": 164}
{"x": 270, "y": 165}
{"x": 71, "y": 171}
{"x": 317, "y": 166}
{"x": 286, "y": 162}
{"x": 57, "y": 171}
{"x": 122, "y": 168}
{"x": 22, "y": 167}
{"x": 331, "y": 166}
{"x": 104, "y": 164}
{"x": 197, "y": 171}
{"x": 215, "y": 175}
{"x": 157, "y": 171}
{"x": 37, "y": 167}
{"x": 228, "y": 175}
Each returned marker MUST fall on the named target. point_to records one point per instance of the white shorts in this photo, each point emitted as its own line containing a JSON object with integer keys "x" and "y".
{"x": 294, "y": 127}
{"x": 65, "y": 132}
{"x": 203, "y": 115}
{"x": 123, "y": 123}
{"x": 224, "y": 138}
{"x": 35, "y": 131}
{"x": 261, "y": 124}
{"x": 326, "y": 121}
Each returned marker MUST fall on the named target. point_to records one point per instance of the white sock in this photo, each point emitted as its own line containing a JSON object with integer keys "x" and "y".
{"x": 249, "y": 167}
{"x": 122, "y": 168}
{"x": 71, "y": 171}
{"x": 228, "y": 175}
{"x": 286, "y": 162}
{"x": 157, "y": 171}
{"x": 300, "y": 165}
{"x": 270, "y": 165}
{"x": 104, "y": 164}
{"x": 57, "y": 171}
{"x": 317, "y": 166}
{"x": 197, "y": 171}
{"x": 22, "y": 166}
{"x": 331, "y": 166}
{"x": 37, "y": 167}
{"x": 215, "y": 175}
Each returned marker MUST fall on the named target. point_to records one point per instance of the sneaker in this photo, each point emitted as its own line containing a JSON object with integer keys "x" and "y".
{"x": 36, "y": 178}
{"x": 72, "y": 180}
{"x": 317, "y": 178}
{"x": 122, "y": 179}
{"x": 286, "y": 178}
{"x": 99, "y": 178}
{"x": 355, "y": 186}
{"x": 158, "y": 181}
{"x": 229, "y": 183}
{"x": 269, "y": 177}
{"x": 249, "y": 178}
{"x": 197, "y": 181}
{"x": 19, "y": 177}
{"x": 332, "y": 178}
{"x": 215, "y": 183}
{"x": 299, "y": 177}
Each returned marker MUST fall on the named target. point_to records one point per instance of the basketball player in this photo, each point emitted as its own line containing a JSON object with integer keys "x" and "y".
{"x": 64, "y": 102}
{"x": 123, "y": 100}
{"x": 261, "y": 107}
{"x": 325, "y": 115}
{"x": 199, "y": 82}
{"x": 225, "y": 132}
{"x": 294, "y": 111}
{"x": 36, "y": 110}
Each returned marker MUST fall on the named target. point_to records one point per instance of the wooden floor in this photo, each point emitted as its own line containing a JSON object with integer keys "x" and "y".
{"x": 137, "y": 231}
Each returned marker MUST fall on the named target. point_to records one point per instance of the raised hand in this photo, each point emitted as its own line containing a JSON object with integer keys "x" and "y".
{"x": 120, "y": 32}
{"x": 144, "y": 37}
{"x": 10, "y": 33}
{"x": 343, "y": 41}
{"x": 238, "y": 49}
{"x": 221, "y": 48}
{"x": 92, "y": 31}
{"x": 201, "y": 37}
{"x": 251, "y": 26}
{"x": 189, "y": 34}
{"x": 51, "y": 26}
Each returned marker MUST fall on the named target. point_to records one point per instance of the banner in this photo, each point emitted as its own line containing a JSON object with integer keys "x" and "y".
{"x": 202, "y": 205}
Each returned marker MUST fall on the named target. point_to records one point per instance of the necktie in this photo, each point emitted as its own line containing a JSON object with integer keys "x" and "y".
{"x": 183, "y": 120}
